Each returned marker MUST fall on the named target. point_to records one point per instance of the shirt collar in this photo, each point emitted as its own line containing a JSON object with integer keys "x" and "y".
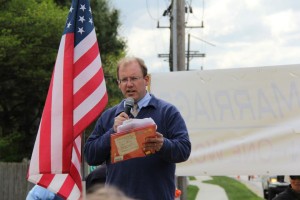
{"x": 141, "y": 103}
{"x": 144, "y": 101}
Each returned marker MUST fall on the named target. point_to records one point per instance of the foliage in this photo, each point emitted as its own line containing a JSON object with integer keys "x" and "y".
{"x": 111, "y": 47}
{"x": 63, "y": 2}
{"x": 28, "y": 45}
{"x": 29, "y": 39}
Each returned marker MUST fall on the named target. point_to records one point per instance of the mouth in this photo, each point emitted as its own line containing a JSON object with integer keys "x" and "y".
{"x": 130, "y": 92}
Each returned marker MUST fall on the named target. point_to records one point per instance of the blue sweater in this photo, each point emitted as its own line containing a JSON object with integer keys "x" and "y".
{"x": 147, "y": 178}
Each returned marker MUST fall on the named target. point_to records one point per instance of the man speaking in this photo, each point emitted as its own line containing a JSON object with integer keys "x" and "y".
{"x": 153, "y": 176}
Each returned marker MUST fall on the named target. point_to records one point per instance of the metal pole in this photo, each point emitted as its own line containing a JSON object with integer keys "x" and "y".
{"x": 180, "y": 35}
{"x": 188, "y": 54}
{"x": 174, "y": 34}
{"x": 179, "y": 64}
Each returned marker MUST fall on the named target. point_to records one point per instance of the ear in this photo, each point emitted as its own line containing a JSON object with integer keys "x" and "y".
{"x": 147, "y": 80}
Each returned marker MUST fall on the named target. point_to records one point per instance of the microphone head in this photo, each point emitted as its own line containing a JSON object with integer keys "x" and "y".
{"x": 129, "y": 102}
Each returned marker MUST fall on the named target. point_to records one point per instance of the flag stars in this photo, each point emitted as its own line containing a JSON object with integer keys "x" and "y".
{"x": 81, "y": 18}
{"x": 90, "y": 9}
{"x": 91, "y": 20}
{"x": 82, "y": 7}
{"x": 71, "y": 9}
{"x": 80, "y": 30}
{"x": 69, "y": 24}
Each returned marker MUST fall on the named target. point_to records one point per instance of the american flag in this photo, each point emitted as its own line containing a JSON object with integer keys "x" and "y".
{"x": 76, "y": 96}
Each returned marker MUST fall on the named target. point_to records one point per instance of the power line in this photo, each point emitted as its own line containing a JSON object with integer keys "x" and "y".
{"x": 149, "y": 13}
{"x": 203, "y": 40}
{"x": 185, "y": 54}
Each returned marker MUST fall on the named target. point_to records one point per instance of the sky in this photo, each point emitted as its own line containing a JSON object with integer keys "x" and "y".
{"x": 236, "y": 34}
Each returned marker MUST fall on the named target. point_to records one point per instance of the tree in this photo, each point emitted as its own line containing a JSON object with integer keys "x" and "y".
{"x": 30, "y": 34}
{"x": 111, "y": 47}
{"x": 27, "y": 55}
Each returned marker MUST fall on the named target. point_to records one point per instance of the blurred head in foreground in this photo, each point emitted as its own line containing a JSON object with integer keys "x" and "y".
{"x": 295, "y": 183}
{"x": 106, "y": 193}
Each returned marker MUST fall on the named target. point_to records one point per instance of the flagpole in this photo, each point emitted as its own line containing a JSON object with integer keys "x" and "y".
{"x": 83, "y": 167}
{"x": 82, "y": 156}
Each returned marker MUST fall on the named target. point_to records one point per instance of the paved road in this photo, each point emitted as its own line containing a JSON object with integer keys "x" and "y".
{"x": 208, "y": 191}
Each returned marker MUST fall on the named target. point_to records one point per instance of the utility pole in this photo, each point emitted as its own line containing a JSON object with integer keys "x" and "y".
{"x": 191, "y": 54}
{"x": 179, "y": 35}
{"x": 173, "y": 38}
{"x": 176, "y": 11}
{"x": 176, "y": 57}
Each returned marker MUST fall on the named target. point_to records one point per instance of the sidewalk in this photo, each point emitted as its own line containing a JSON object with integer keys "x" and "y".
{"x": 215, "y": 192}
{"x": 208, "y": 191}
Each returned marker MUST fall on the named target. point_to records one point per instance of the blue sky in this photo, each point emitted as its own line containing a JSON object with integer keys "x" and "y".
{"x": 248, "y": 33}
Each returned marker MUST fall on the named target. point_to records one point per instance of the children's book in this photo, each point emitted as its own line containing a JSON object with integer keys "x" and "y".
{"x": 129, "y": 144}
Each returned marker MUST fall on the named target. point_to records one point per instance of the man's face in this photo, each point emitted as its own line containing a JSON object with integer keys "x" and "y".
{"x": 295, "y": 183}
{"x": 132, "y": 83}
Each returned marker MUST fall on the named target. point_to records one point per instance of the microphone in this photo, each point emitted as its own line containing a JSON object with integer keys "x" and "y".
{"x": 129, "y": 102}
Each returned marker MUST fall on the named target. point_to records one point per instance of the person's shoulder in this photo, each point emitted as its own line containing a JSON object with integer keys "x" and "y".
{"x": 111, "y": 110}
{"x": 282, "y": 196}
{"x": 160, "y": 102}
{"x": 278, "y": 197}
{"x": 97, "y": 176}
{"x": 164, "y": 106}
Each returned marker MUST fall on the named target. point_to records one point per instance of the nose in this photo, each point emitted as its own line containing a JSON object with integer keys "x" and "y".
{"x": 129, "y": 82}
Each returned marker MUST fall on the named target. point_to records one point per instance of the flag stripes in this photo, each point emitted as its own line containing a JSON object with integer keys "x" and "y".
{"x": 76, "y": 96}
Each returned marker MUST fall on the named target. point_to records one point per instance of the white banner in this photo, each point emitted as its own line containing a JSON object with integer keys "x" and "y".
{"x": 241, "y": 121}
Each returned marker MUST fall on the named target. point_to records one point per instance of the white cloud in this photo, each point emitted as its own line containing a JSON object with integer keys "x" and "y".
{"x": 252, "y": 4}
{"x": 245, "y": 33}
{"x": 147, "y": 44}
{"x": 145, "y": 41}
{"x": 282, "y": 23}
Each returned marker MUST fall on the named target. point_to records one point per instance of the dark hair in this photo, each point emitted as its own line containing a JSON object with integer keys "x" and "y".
{"x": 293, "y": 177}
{"x": 126, "y": 60}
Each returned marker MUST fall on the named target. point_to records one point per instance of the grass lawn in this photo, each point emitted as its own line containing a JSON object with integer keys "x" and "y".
{"x": 234, "y": 189}
{"x": 192, "y": 191}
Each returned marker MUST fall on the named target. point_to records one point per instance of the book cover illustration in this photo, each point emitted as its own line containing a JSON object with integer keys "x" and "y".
{"x": 129, "y": 144}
